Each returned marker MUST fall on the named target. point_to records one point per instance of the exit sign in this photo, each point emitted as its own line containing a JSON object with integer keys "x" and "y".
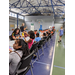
{"x": 32, "y": 23}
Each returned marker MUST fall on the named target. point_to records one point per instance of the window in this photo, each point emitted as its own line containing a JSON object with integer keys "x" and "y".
{"x": 12, "y": 14}
{"x": 21, "y": 17}
{"x": 15, "y": 15}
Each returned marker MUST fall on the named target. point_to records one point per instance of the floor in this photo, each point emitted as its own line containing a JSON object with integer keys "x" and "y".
{"x": 59, "y": 58}
{"x": 43, "y": 65}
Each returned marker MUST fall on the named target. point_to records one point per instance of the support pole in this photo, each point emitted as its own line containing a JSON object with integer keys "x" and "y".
{"x": 17, "y": 20}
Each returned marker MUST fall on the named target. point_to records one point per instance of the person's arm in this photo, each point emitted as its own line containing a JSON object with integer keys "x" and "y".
{"x": 10, "y": 58}
{"x": 35, "y": 40}
{"x": 10, "y": 50}
{"x": 14, "y": 37}
{"x": 25, "y": 28}
{"x": 30, "y": 40}
{"x": 26, "y": 33}
{"x": 59, "y": 32}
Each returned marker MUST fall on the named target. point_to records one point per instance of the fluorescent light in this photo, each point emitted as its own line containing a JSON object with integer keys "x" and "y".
{"x": 33, "y": 9}
{"x": 55, "y": 8}
{"x": 28, "y": 0}
{"x": 41, "y": 13}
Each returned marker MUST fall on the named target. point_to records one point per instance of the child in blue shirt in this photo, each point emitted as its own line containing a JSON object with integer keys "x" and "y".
{"x": 60, "y": 34}
{"x": 37, "y": 39}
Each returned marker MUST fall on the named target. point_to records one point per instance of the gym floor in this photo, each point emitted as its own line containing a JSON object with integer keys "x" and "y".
{"x": 44, "y": 65}
{"x": 59, "y": 57}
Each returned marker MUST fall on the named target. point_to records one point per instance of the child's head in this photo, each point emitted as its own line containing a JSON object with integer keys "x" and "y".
{"x": 49, "y": 31}
{"x": 61, "y": 27}
{"x": 20, "y": 44}
{"x": 31, "y": 34}
{"x": 44, "y": 34}
{"x": 16, "y": 31}
{"x": 36, "y": 30}
{"x": 37, "y": 34}
{"x": 22, "y": 24}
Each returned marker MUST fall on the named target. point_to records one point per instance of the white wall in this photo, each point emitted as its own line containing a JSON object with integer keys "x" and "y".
{"x": 47, "y": 21}
{"x": 58, "y": 23}
{"x": 13, "y": 21}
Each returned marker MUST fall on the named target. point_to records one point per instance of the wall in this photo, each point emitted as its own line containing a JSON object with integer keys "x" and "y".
{"x": 58, "y": 23}
{"x": 13, "y": 21}
{"x": 47, "y": 21}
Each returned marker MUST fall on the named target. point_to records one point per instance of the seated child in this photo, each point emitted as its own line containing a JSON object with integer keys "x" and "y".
{"x": 37, "y": 39}
{"x": 30, "y": 41}
{"x": 15, "y": 35}
{"x": 20, "y": 50}
{"x": 46, "y": 33}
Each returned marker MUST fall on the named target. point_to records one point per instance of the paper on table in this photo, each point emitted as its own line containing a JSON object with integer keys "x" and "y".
{"x": 11, "y": 43}
{"x": 11, "y": 48}
{"x": 27, "y": 38}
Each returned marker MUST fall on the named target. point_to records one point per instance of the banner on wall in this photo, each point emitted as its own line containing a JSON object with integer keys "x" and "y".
{"x": 32, "y": 26}
{"x": 11, "y": 25}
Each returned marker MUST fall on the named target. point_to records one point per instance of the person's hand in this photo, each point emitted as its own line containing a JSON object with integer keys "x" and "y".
{"x": 10, "y": 50}
{"x": 25, "y": 39}
{"x": 26, "y": 27}
{"x": 14, "y": 38}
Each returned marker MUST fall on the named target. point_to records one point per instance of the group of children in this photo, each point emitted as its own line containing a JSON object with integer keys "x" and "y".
{"x": 22, "y": 46}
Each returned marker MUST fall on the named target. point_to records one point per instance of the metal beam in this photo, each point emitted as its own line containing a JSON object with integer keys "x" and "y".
{"x": 60, "y": 10}
{"x": 13, "y": 3}
{"x": 45, "y": 2}
{"x": 25, "y": 11}
{"x": 17, "y": 20}
{"x": 22, "y": 3}
{"x": 17, "y": 3}
{"x": 52, "y": 8}
{"x": 32, "y": 6}
{"x": 36, "y": 6}
{"x": 61, "y": 2}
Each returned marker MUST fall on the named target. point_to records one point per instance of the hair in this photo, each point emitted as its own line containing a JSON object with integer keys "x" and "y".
{"x": 49, "y": 30}
{"x": 28, "y": 32}
{"x": 61, "y": 27}
{"x": 24, "y": 47}
{"x": 32, "y": 35}
{"x": 22, "y": 24}
{"x": 37, "y": 34}
{"x": 40, "y": 30}
{"x": 44, "y": 34}
{"x": 35, "y": 30}
{"x": 16, "y": 30}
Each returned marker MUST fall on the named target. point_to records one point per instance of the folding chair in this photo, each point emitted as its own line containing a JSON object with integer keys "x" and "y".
{"x": 45, "y": 42}
{"x": 35, "y": 49}
{"x": 48, "y": 41}
{"x": 25, "y": 65}
{"x": 40, "y": 46}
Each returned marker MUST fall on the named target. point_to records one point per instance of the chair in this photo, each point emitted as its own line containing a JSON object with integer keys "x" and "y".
{"x": 48, "y": 41}
{"x": 40, "y": 46}
{"x": 45, "y": 38}
{"x": 35, "y": 49}
{"x": 25, "y": 65}
{"x": 50, "y": 36}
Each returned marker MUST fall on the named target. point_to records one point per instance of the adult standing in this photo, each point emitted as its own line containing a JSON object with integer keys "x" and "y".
{"x": 22, "y": 27}
{"x": 60, "y": 34}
